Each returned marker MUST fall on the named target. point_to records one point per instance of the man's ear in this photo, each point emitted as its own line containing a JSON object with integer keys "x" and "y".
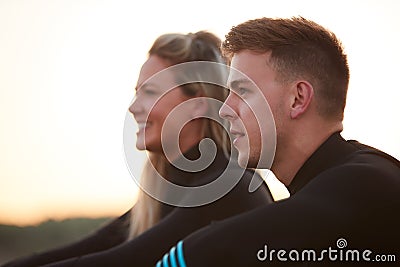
{"x": 303, "y": 93}
{"x": 200, "y": 107}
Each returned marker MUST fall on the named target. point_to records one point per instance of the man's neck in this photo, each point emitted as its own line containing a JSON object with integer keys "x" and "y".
{"x": 289, "y": 161}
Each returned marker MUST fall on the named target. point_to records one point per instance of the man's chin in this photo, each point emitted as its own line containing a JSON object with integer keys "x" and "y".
{"x": 245, "y": 162}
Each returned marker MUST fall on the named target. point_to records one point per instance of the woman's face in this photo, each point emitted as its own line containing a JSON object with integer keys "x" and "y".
{"x": 153, "y": 104}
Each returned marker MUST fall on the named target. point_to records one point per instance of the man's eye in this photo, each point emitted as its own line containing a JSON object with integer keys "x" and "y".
{"x": 242, "y": 91}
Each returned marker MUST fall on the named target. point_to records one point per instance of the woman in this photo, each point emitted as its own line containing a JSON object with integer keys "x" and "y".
{"x": 153, "y": 225}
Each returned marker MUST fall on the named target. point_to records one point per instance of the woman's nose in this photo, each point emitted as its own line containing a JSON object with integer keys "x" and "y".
{"x": 135, "y": 107}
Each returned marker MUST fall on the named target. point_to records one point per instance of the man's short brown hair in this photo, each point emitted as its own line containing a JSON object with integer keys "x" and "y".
{"x": 299, "y": 48}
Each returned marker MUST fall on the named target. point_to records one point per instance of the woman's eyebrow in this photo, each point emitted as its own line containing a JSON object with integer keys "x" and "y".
{"x": 145, "y": 84}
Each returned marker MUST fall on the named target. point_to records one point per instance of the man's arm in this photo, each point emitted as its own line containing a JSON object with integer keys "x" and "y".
{"x": 355, "y": 202}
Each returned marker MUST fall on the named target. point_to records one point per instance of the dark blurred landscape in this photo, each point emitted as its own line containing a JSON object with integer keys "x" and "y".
{"x": 18, "y": 241}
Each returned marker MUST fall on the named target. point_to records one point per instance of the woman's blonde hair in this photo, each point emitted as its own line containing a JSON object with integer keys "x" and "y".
{"x": 175, "y": 49}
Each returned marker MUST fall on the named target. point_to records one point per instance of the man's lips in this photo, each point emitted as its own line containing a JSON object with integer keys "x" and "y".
{"x": 236, "y": 132}
{"x": 237, "y": 135}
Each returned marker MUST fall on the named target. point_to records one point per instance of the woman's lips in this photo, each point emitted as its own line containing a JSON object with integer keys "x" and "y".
{"x": 143, "y": 125}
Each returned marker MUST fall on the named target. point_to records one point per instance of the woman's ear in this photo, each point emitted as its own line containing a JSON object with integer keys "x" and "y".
{"x": 303, "y": 93}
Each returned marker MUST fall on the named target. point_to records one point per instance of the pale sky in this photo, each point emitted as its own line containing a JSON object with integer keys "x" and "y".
{"x": 68, "y": 69}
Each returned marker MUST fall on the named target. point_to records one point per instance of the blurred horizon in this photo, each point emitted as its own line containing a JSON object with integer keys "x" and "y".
{"x": 68, "y": 71}
{"x": 277, "y": 189}
{"x": 17, "y": 241}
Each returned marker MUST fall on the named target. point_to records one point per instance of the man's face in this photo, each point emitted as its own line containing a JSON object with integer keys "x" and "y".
{"x": 254, "y": 101}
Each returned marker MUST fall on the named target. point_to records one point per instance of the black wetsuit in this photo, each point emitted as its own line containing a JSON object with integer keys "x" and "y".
{"x": 346, "y": 196}
{"x": 107, "y": 247}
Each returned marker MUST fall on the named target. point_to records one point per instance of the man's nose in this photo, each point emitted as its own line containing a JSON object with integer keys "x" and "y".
{"x": 227, "y": 111}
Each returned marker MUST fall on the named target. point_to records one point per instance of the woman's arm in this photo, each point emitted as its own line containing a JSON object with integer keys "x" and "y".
{"x": 106, "y": 237}
{"x": 147, "y": 248}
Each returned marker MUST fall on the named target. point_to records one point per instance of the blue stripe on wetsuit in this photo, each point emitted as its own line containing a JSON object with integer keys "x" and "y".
{"x": 173, "y": 257}
{"x": 181, "y": 259}
{"x": 165, "y": 261}
{"x": 176, "y": 259}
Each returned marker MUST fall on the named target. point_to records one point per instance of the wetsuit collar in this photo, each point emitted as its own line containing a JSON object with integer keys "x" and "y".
{"x": 330, "y": 153}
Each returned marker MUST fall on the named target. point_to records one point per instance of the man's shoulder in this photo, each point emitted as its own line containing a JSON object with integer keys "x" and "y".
{"x": 371, "y": 159}
{"x": 366, "y": 169}
{"x": 364, "y": 150}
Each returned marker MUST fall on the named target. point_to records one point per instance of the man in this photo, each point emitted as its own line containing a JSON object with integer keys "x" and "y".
{"x": 345, "y": 196}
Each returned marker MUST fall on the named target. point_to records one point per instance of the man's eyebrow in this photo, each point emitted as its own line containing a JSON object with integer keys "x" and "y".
{"x": 235, "y": 84}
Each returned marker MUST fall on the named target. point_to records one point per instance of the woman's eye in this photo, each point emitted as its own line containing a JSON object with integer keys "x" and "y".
{"x": 149, "y": 92}
{"x": 146, "y": 91}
